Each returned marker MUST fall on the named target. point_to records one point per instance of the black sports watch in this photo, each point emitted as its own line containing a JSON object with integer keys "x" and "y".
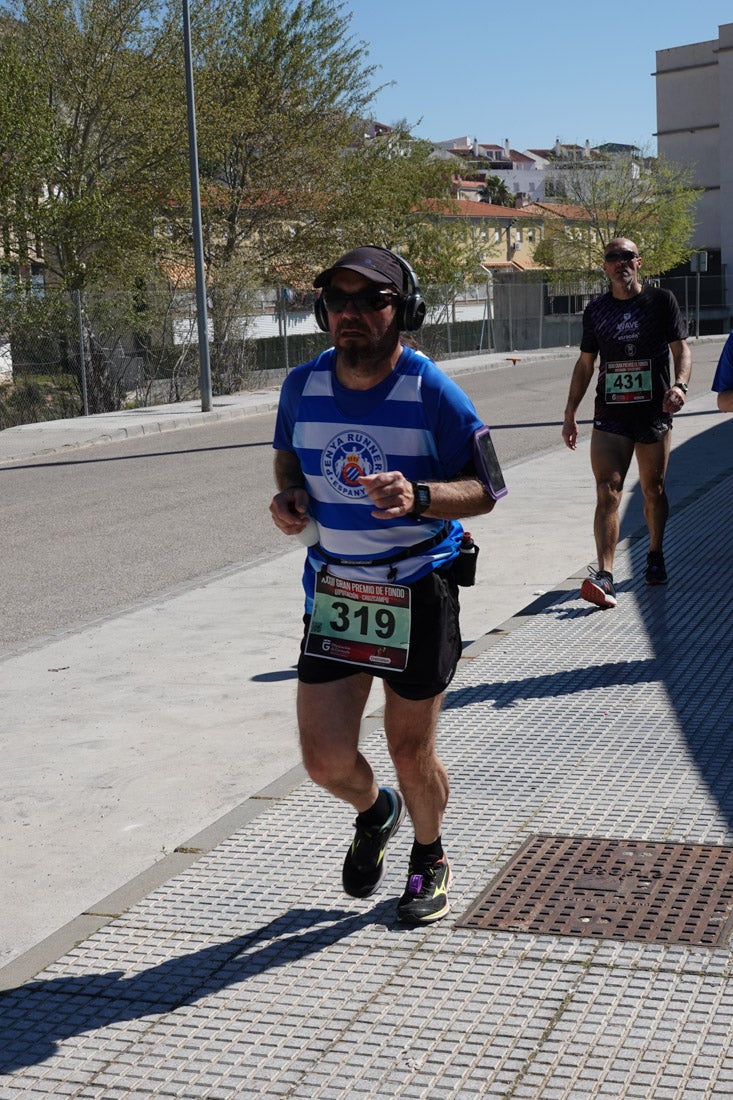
{"x": 679, "y": 386}
{"x": 421, "y": 493}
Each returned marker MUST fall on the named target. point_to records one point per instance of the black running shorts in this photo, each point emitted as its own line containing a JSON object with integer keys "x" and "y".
{"x": 435, "y": 644}
{"x": 638, "y": 427}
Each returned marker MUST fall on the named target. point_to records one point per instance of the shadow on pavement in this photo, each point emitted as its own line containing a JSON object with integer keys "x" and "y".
{"x": 90, "y": 458}
{"x": 689, "y": 622}
{"x": 506, "y": 693}
{"x": 37, "y": 1016}
{"x": 691, "y": 470}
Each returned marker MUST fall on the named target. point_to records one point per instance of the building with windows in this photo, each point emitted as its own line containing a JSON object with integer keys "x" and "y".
{"x": 522, "y": 174}
{"x": 695, "y": 127}
{"x": 535, "y": 174}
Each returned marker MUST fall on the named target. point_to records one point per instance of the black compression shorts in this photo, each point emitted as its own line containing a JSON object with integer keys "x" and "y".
{"x": 640, "y": 427}
{"x": 435, "y": 644}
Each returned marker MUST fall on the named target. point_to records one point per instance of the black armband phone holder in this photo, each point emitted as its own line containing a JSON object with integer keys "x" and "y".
{"x": 487, "y": 464}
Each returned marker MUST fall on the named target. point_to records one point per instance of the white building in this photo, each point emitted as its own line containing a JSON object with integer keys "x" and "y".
{"x": 535, "y": 174}
{"x": 695, "y": 127}
{"x": 522, "y": 174}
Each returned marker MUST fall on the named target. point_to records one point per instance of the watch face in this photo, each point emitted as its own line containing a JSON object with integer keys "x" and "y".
{"x": 421, "y": 493}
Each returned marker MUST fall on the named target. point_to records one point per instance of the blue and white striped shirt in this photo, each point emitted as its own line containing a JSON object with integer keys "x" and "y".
{"x": 417, "y": 421}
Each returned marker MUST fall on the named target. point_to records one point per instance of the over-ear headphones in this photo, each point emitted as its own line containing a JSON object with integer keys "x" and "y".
{"x": 410, "y": 310}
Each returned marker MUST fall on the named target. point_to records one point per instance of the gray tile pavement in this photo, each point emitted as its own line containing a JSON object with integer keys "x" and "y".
{"x": 173, "y": 694}
{"x": 249, "y": 974}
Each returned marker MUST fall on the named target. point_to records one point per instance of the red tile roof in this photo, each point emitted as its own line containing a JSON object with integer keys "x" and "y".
{"x": 467, "y": 208}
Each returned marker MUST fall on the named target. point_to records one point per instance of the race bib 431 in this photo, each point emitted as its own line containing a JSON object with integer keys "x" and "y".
{"x": 628, "y": 381}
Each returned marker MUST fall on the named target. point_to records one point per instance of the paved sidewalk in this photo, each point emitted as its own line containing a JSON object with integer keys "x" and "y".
{"x": 173, "y": 694}
{"x": 29, "y": 441}
{"x": 250, "y": 974}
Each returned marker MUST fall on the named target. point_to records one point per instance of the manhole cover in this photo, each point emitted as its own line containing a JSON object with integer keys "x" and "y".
{"x": 611, "y": 889}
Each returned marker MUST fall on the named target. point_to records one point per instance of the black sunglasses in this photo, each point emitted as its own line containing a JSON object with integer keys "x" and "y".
{"x": 620, "y": 254}
{"x": 336, "y": 300}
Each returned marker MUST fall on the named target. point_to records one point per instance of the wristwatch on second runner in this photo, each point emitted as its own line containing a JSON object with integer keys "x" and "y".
{"x": 679, "y": 386}
{"x": 421, "y": 494}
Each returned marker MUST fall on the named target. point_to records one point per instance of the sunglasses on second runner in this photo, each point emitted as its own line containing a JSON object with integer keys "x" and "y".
{"x": 368, "y": 301}
{"x": 620, "y": 254}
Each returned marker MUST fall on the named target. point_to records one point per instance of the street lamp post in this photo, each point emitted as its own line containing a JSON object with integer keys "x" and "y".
{"x": 198, "y": 240}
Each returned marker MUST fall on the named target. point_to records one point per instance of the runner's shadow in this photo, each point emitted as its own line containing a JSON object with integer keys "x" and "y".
{"x": 688, "y": 621}
{"x": 689, "y": 470}
{"x": 507, "y": 693}
{"x": 36, "y": 1017}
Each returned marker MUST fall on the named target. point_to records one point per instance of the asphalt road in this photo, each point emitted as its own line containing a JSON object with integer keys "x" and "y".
{"x": 118, "y": 524}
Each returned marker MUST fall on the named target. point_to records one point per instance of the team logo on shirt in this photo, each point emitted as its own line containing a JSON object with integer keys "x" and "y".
{"x": 349, "y": 456}
{"x": 627, "y": 327}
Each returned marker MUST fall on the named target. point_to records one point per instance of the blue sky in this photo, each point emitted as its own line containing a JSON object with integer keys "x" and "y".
{"x": 528, "y": 71}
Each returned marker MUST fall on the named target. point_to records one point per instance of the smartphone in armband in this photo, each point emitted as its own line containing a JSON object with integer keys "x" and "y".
{"x": 487, "y": 464}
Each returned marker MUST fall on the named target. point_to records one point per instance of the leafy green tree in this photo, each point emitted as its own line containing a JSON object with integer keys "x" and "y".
{"x": 278, "y": 88}
{"x": 24, "y": 153}
{"x": 288, "y": 175}
{"x": 652, "y": 202}
{"x": 107, "y": 117}
{"x": 291, "y": 173}
{"x": 390, "y": 191}
{"x": 104, "y": 68}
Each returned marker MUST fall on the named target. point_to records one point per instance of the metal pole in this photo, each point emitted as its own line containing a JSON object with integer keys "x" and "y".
{"x": 198, "y": 240}
{"x": 447, "y": 323}
{"x": 285, "y": 328}
{"x": 82, "y": 358}
{"x": 569, "y": 297}
{"x": 484, "y": 324}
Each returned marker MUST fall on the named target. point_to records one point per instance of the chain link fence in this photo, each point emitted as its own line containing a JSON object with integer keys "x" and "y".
{"x": 66, "y": 355}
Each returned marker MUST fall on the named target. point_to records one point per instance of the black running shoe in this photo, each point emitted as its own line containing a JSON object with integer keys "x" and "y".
{"x": 598, "y": 589}
{"x": 426, "y": 895}
{"x": 655, "y": 571}
{"x": 364, "y": 863}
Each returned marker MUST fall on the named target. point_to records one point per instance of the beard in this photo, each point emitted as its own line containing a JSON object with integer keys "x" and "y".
{"x": 367, "y": 351}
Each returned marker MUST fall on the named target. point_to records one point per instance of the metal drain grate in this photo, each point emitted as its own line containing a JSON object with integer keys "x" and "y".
{"x": 611, "y": 889}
